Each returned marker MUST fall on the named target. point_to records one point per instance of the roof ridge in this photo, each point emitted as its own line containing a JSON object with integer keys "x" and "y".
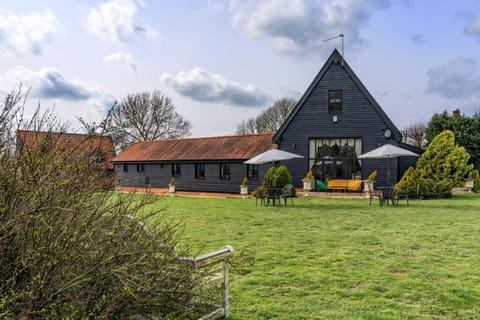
{"x": 213, "y": 137}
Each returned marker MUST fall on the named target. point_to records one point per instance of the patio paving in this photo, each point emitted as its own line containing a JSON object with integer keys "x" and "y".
{"x": 300, "y": 193}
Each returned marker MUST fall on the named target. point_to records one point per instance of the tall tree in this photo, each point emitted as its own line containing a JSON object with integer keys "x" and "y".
{"x": 466, "y": 130}
{"x": 414, "y": 134}
{"x": 247, "y": 126}
{"x": 440, "y": 168}
{"x": 144, "y": 116}
{"x": 268, "y": 120}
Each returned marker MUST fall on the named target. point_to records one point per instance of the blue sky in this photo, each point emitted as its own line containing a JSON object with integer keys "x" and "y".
{"x": 224, "y": 61}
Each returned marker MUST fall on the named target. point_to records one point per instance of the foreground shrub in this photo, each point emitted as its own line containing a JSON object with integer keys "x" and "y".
{"x": 441, "y": 167}
{"x": 68, "y": 248}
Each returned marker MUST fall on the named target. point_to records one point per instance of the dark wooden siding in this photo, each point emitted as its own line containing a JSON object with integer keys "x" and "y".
{"x": 358, "y": 119}
{"x": 159, "y": 175}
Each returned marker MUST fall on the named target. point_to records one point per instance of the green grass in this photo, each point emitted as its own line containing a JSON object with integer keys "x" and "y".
{"x": 341, "y": 259}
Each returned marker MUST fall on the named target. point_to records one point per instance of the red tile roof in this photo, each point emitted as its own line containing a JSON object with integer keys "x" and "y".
{"x": 90, "y": 143}
{"x": 240, "y": 147}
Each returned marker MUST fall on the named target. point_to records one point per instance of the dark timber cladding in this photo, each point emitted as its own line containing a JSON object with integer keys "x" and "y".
{"x": 212, "y": 164}
{"x": 335, "y": 121}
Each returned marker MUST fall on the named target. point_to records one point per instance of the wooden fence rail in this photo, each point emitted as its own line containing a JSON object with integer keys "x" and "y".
{"x": 213, "y": 295}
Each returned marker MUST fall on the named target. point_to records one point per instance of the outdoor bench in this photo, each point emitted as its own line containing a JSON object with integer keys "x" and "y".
{"x": 344, "y": 185}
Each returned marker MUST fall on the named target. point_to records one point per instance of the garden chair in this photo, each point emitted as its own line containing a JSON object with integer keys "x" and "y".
{"x": 274, "y": 195}
{"x": 399, "y": 195}
{"x": 378, "y": 194}
{"x": 261, "y": 195}
{"x": 288, "y": 192}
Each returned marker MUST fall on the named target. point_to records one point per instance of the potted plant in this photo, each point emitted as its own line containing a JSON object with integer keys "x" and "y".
{"x": 244, "y": 187}
{"x": 171, "y": 186}
{"x": 307, "y": 183}
{"x": 470, "y": 183}
{"x": 369, "y": 182}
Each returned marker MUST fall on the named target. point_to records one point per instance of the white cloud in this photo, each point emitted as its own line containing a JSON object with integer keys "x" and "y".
{"x": 26, "y": 33}
{"x": 418, "y": 38}
{"x": 123, "y": 58}
{"x": 48, "y": 83}
{"x": 472, "y": 29}
{"x": 70, "y": 98}
{"x": 458, "y": 78}
{"x": 300, "y": 26}
{"x": 200, "y": 85}
{"x": 117, "y": 21}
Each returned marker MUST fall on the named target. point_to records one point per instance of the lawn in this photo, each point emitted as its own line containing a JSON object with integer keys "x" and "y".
{"x": 340, "y": 258}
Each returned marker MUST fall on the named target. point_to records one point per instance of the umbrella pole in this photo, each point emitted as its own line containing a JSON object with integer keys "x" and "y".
{"x": 388, "y": 172}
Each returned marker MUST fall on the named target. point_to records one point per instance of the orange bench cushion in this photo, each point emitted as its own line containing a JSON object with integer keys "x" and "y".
{"x": 354, "y": 185}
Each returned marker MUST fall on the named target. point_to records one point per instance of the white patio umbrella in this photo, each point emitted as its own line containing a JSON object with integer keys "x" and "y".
{"x": 387, "y": 151}
{"x": 272, "y": 155}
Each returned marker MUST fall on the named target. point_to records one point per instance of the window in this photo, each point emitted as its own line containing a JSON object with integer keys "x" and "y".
{"x": 199, "y": 170}
{"x": 335, "y": 158}
{"x": 334, "y": 101}
{"x": 140, "y": 167}
{"x": 252, "y": 171}
{"x": 125, "y": 167}
{"x": 225, "y": 171}
{"x": 176, "y": 172}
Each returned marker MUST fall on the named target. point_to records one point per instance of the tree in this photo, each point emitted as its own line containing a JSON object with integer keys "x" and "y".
{"x": 142, "y": 117}
{"x": 69, "y": 248}
{"x": 247, "y": 126}
{"x": 466, "y": 130}
{"x": 441, "y": 167}
{"x": 268, "y": 120}
{"x": 414, "y": 134}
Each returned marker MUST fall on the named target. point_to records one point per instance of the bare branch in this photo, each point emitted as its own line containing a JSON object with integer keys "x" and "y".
{"x": 415, "y": 135}
{"x": 268, "y": 120}
{"x": 143, "y": 117}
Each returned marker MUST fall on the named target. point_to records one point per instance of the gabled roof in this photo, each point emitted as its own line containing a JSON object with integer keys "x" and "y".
{"x": 336, "y": 58}
{"x": 241, "y": 147}
{"x": 90, "y": 144}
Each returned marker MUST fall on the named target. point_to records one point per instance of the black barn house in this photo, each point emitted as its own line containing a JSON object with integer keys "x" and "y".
{"x": 335, "y": 121}
{"x": 213, "y": 164}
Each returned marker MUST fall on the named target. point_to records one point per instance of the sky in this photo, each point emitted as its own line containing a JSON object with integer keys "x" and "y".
{"x": 224, "y": 61}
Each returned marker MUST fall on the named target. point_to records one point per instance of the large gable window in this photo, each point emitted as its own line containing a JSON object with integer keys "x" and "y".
{"x": 335, "y": 158}
{"x": 334, "y": 101}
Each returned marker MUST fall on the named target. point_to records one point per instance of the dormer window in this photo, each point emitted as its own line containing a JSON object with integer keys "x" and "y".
{"x": 334, "y": 101}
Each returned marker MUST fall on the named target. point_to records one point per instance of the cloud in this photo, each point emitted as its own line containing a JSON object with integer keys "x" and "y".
{"x": 26, "y": 33}
{"x": 300, "y": 27}
{"x": 48, "y": 83}
{"x": 407, "y": 4}
{"x": 200, "y": 85}
{"x": 123, "y": 58}
{"x": 472, "y": 28}
{"x": 418, "y": 38}
{"x": 458, "y": 78}
{"x": 117, "y": 20}
{"x": 69, "y": 99}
